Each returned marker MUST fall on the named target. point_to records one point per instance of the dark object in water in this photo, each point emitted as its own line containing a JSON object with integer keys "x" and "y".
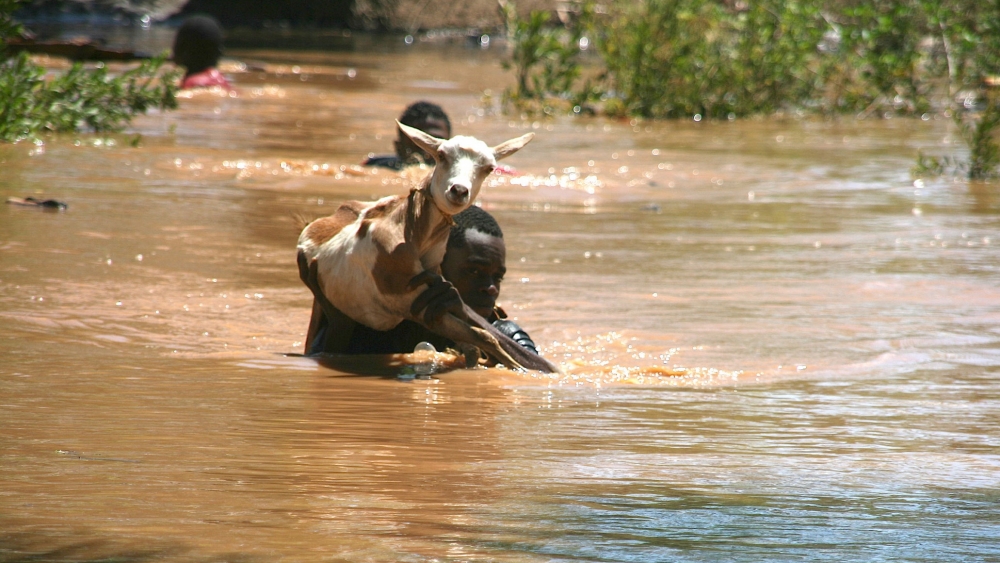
{"x": 198, "y": 44}
{"x": 34, "y": 202}
{"x": 80, "y": 49}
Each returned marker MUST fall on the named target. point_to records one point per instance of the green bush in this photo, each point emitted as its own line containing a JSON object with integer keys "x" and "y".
{"x": 679, "y": 58}
{"x": 80, "y": 99}
{"x": 8, "y": 27}
{"x": 737, "y": 58}
{"x": 546, "y": 59}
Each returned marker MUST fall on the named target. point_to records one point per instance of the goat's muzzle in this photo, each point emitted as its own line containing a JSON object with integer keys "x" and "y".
{"x": 457, "y": 194}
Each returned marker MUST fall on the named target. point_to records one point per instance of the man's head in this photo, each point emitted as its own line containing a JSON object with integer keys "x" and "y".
{"x": 476, "y": 260}
{"x": 427, "y": 117}
{"x": 198, "y": 44}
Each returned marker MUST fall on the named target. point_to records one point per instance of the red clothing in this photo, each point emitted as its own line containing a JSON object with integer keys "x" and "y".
{"x": 206, "y": 79}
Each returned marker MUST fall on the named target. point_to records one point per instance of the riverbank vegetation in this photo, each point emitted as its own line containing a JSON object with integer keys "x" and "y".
{"x": 84, "y": 98}
{"x": 729, "y": 59}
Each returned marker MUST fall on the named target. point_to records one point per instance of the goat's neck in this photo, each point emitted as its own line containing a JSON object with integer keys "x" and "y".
{"x": 426, "y": 225}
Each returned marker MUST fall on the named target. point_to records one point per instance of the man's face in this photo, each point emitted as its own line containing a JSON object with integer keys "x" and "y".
{"x": 405, "y": 149}
{"x": 476, "y": 270}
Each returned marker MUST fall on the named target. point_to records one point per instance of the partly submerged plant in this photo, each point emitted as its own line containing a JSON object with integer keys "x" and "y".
{"x": 547, "y": 59}
{"x": 735, "y": 58}
{"x": 82, "y": 98}
{"x": 79, "y": 99}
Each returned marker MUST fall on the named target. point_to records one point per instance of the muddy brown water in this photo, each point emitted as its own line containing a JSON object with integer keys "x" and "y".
{"x": 777, "y": 344}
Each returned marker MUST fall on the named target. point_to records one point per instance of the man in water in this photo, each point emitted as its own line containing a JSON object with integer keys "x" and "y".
{"x": 197, "y": 48}
{"x": 427, "y": 117}
{"x": 472, "y": 271}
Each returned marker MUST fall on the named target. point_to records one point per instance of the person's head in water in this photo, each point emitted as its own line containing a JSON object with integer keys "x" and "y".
{"x": 198, "y": 44}
{"x": 427, "y": 117}
{"x": 476, "y": 259}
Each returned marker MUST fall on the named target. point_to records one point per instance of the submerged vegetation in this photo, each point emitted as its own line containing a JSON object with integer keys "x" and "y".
{"x": 82, "y": 98}
{"x": 726, "y": 59}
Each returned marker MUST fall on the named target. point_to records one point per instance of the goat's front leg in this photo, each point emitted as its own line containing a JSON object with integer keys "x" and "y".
{"x": 439, "y": 298}
{"x": 445, "y": 313}
{"x": 464, "y": 332}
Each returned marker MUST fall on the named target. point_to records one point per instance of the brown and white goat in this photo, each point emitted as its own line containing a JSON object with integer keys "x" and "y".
{"x": 367, "y": 253}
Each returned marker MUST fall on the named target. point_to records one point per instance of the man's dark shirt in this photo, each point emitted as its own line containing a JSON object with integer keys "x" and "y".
{"x": 405, "y": 336}
{"x": 385, "y": 161}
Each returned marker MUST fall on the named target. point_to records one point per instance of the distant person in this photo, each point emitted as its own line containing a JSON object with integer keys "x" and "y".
{"x": 427, "y": 117}
{"x": 197, "y": 48}
{"x": 473, "y": 268}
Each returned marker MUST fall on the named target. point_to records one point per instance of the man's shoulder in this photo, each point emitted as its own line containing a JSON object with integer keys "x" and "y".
{"x": 515, "y": 332}
{"x": 384, "y": 161}
{"x": 206, "y": 79}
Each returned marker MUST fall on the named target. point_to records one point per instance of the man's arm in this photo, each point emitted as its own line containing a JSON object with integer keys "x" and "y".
{"x": 516, "y": 333}
{"x": 335, "y": 327}
{"x": 523, "y": 355}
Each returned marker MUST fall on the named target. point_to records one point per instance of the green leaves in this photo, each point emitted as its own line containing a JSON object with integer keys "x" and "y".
{"x": 547, "y": 59}
{"x": 736, "y": 58}
{"x": 980, "y": 134}
{"x": 8, "y": 27}
{"x": 18, "y": 80}
{"x": 81, "y": 99}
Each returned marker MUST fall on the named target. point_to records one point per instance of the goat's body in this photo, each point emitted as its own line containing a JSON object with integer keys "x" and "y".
{"x": 366, "y": 264}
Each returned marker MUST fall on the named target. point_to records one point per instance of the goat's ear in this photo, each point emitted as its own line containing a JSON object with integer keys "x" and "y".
{"x": 428, "y": 142}
{"x": 510, "y": 147}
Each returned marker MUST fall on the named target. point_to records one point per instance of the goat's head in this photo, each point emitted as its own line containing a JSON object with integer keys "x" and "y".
{"x": 461, "y": 165}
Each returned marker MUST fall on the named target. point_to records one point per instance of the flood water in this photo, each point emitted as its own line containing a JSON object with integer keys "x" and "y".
{"x": 776, "y": 345}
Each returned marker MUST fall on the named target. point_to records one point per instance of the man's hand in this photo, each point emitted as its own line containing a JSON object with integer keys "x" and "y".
{"x": 336, "y": 326}
{"x": 439, "y": 298}
{"x": 309, "y": 273}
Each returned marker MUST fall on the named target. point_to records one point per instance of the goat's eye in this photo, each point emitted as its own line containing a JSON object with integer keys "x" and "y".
{"x": 487, "y": 170}
{"x": 442, "y": 156}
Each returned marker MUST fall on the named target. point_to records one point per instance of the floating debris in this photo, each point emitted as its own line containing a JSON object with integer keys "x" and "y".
{"x": 35, "y": 202}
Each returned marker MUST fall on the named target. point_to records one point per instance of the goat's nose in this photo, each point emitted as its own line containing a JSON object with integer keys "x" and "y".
{"x": 458, "y": 192}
